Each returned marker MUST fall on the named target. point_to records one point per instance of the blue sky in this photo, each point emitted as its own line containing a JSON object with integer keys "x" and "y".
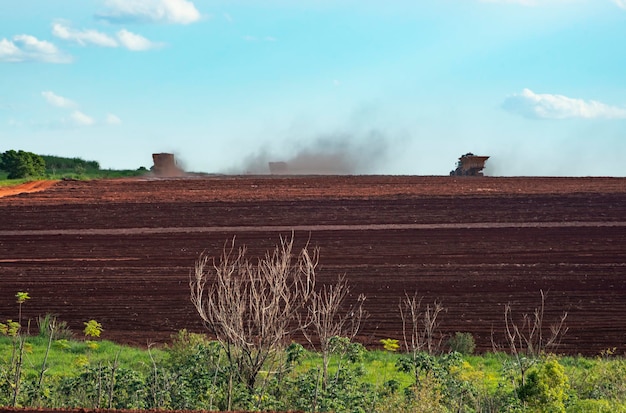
{"x": 396, "y": 87}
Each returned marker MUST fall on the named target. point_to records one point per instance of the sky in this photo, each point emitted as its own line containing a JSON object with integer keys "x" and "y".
{"x": 328, "y": 86}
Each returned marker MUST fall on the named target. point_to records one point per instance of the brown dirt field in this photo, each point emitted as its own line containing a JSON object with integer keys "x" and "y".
{"x": 120, "y": 251}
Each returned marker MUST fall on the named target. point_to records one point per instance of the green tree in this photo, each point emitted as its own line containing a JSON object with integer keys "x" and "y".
{"x": 22, "y": 164}
{"x": 546, "y": 387}
{"x": 60, "y": 165}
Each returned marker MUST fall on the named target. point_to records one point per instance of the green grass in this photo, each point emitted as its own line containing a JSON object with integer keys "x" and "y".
{"x": 83, "y": 176}
{"x": 68, "y": 356}
{"x": 380, "y": 367}
{"x": 4, "y": 181}
{"x": 12, "y": 182}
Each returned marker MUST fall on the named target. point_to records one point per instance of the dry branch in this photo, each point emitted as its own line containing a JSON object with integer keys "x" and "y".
{"x": 251, "y": 307}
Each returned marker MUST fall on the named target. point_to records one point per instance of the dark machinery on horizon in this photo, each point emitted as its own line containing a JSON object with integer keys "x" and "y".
{"x": 165, "y": 165}
{"x": 470, "y": 165}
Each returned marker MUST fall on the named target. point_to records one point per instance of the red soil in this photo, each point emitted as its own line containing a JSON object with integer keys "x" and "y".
{"x": 28, "y": 187}
{"x": 120, "y": 251}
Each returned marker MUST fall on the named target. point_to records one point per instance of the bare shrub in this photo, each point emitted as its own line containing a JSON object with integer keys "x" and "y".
{"x": 420, "y": 327}
{"x": 420, "y": 332}
{"x": 251, "y": 307}
{"x": 526, "y": 338}
{"x": 328, "y": 317}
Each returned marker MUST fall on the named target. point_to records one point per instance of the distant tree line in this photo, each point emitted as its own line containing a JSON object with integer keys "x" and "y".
{"x": 22, "y": 164}
{"x": 56, "y": 163}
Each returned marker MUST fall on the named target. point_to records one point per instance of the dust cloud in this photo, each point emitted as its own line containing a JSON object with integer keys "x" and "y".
{"x": 333, "y": 154}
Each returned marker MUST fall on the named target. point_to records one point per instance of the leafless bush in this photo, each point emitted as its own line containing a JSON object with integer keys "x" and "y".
{"x": 526, "y": 340}
{"x": 251, "y": 307}
{"x": 420, "y": 326}
{"x": 327, "y": 317}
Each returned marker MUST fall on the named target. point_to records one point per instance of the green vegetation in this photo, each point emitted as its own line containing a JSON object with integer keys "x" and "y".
{"x": 77, "y": 168}
{"x": 462, "y": 343}
{"x": 192, "y": 373}
{"x": 4, "y": 181}
{"x": 55, "y": 164}
{"x": 19, "y": 166}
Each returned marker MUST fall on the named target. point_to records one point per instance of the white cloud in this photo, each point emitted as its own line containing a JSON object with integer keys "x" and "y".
{"x": 83, "y": 37}
{"x": 156, "y": 11}
{"x": 76, "y": 117}
{"x": 112, "y": 119}
{"x": 9, "y": 52}
{"x": 31, "y": 43}
{"x": 56, "y": 100}
{"x": 129, "y": 40}
{"x": 547, "y": 106}
{"x": 620, "y": 3}
{"x": 80, "y": 119}
{"x": 134, "y": 41}
{"x": 25, "y": 48}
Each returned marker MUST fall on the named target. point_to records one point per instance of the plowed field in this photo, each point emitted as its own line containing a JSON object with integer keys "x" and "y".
{"x": 120, "y": 251}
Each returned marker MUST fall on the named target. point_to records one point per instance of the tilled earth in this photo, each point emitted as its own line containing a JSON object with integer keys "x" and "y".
{"x": 120, "y": 251}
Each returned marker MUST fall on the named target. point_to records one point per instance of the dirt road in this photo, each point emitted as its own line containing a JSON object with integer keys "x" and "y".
{"x": 28, "y": 187}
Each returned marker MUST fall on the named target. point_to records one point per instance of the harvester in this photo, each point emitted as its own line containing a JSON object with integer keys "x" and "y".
{"x": 165, "y": 165}
{"x": 469, "y": 165}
